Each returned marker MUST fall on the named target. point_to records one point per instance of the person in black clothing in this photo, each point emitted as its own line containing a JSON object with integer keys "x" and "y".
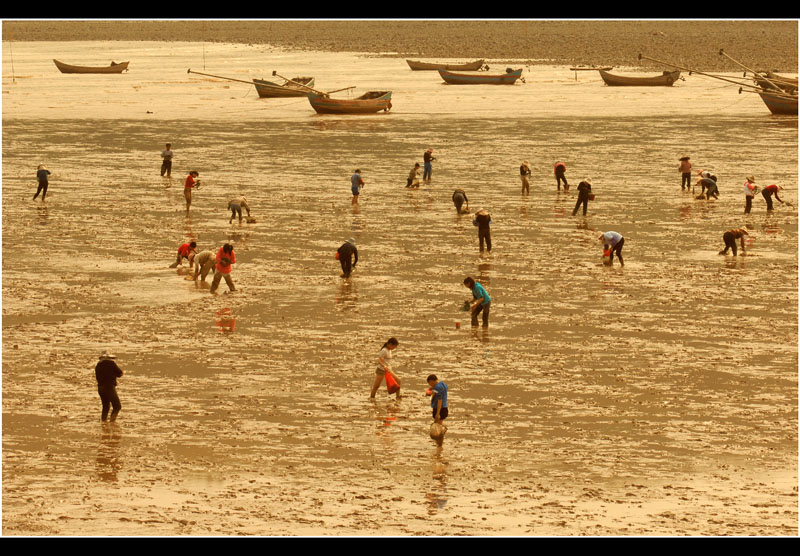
{"x": 345, "y": 254}
{"x": 584, "y": 190}
{"x": 107, "y": 372}
{"x": 482, "y": 220}
{"x": 459, "y": 198}
{"x": 41, "y": 177}
{"x": 560, "y": 170}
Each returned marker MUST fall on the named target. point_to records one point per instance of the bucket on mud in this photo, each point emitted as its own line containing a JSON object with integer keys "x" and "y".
{"x": 391, "y": 384}
{"x": 607, "y": 257}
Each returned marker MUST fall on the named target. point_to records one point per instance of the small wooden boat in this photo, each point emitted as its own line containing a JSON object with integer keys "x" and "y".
{"x": 780, "y": 103}
{"x": 771, "y": 80}
{"x": 666, "y": 79}
{"x": 296, "y": 87}
{"x": 113, "y": 68}
{"x": 508, "y": 78}
{"x": 368, "y": 103}
{"x": 432, "y": 66}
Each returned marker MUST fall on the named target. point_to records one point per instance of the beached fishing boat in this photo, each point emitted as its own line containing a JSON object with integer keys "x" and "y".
{"x": 773, "y": 81}
{"x": 508, "y": 78}
{"x": 666, "y": 79}
{"x": 779, "y": 103}
{"x": 432, "y": 66}
{"x": 296, "y": 87}
{"x": 113, "y": 68}
{"x": 368, "y": 103}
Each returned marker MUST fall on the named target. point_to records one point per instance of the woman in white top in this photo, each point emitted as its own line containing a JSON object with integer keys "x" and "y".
{"x": 384, "y": 357}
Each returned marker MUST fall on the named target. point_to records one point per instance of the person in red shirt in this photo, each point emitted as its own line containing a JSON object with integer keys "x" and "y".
{"x": 185, "y": 251}
{"x": 192, "y": 182}
{"x": 730, "y": 238}
{"x": 560, "y": 170}
{"x": 225, "y": 258}
{"x": 768, "y": 192}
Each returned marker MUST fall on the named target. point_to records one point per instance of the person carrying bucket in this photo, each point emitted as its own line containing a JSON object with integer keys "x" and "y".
{"x": 383, "y": 370}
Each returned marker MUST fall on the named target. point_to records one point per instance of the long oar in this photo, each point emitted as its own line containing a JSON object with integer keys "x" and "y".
{"x": 276, "y": 74}
{"x": 221, "y": 77}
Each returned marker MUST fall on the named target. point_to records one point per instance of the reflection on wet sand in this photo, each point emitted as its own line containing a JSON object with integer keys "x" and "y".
{"x": 226, "y": 322}
{"x": 108, "y": 461}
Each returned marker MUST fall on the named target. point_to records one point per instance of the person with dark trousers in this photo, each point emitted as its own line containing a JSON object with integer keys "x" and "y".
{"x": 107, "y": 372}
{"x": 483, "y": 220}
{"x": 750, "y": 189}
{"x": 730, "y": 238}
{"x": 613, "y": 242}
{"x": 708, "y": 185}
{"x": 166, "y": 163}
{"x": 41, "y": 176}
{"x": 482, "y": 299}
{"x": 559, "y": 170}
{"x": 346, "y": 254}
{"x": 185, "y": 251}
{"x": 767, "y": 193}
{"x": 459, "y": 198}
{"x": 584, "y": 191}
{"x": 685, "y": 169}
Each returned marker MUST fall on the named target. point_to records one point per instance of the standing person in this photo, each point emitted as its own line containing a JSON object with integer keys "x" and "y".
{"x": 356, "y": 183}
{"x": 482, "y": 301}
{"x": 235, "y": 205}
{"x": 560, "y": 169}
{"x": 107, "y": 372}
{"x": 767, "y": 193}
{"x": 459, "y": 198}
{"x": 384, "y": 358}
{"x": 483, "y": 220}
{"x": 685, "y": 169}
{"x": 345, "y": 254}
{"x": 438, "y": 394}
{"x": 413, "y": 176}
{"x": 730, "y": 238}
{"x": 192, "y": 182}
{"x": 613, "y": 241}
{"x": 428, "y": 159}
{"x": 524, "y": 174}
{"x": 166, "y": 164}
{"x": 185, "y": 251}
{"x": 42, "y": 174}
{"x": 750, "y": 189}
{"x": 225, "y": 258}
{"x": 584, "y": 191}
{"x": 203, "y": 263}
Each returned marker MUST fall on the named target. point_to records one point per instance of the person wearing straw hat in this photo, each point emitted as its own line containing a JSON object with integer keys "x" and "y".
{"x": 483, "y": 221}
{"x": 346, "y": 253}
{"x": 524, "y": 174}
{"x": 750, "y": 189}
{"x": 708, "y": 185}
{"x": 107, "y": 372}
{"x": 584, "y": 191}
{"x": 768, "y": 192}
{"x": 730, "y": 238}
{"x": 41, "y": 176}
{"x": 428, "y": 159}
{"x": 236, "y": 205}
{"x": 685, "y": 169}
{"x": 560, "y": 169}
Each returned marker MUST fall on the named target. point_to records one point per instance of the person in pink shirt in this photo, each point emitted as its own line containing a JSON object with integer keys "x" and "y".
{"x": 686, "y": 173}
{"x": 192, "y": 182}
{"x": 225, "y": 258}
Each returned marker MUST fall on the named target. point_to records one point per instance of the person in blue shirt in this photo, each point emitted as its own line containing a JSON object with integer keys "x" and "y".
{"x": 356, "y": 183}
{"x": 438, "y": 394}
{"x": 482, "y": 301}
{"x": 41, "y": 177}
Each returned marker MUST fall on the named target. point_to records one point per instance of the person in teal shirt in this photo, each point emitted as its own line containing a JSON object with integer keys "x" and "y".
{"x": 482, "y": 301}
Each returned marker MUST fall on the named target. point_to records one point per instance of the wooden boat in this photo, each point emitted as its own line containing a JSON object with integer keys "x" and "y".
{"x": 432, "y": 66}
{"x": 293, "y": 88}
{"x": 508, "y": 78}
{"x": 666, "y": 79}
{"x": 787, "y": 84}
{"x": 779, "y": 103}
{"x": 368, "y": 103}
{"x": 113, "y": 68}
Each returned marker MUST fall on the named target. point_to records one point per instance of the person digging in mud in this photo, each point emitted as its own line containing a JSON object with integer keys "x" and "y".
{"x": 767, "y": 193}
{"x": 345, "y": 254}
{"x": 560, "y": 169}
{"x": 730, "y": 238}
{"x": 384, "y": 358}
{"x": 482, "y": 299}
{"x": 107, "y": 372}
{"x": 483, "y": 221}
{"x": 413, "y": 177}
{"x": 708, "y": 184}
{"x": 186, "y": 251}
{"x": 613, "y": 242}
{"x": 236, "y": 205}
{"x": 584, "y": 195}
{"x": 459, "y": 199}
{"x": 225, "y": 258}
{"x": 203, "y": 263}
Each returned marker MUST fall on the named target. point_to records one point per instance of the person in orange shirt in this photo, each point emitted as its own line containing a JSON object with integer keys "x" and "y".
{"x": 192, "y": 182}
{"x": 225, "y": 258}
{"x": 686, "y": 173}
{"x": 185, "y": 251}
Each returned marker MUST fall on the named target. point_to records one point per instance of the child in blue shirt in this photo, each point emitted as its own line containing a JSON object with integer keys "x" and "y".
{"x": 438, "y": 393}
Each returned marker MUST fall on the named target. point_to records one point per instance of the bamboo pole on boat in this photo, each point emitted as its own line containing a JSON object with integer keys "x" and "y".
{"x": 764, "y": 77}
{"x": 276, "y": 74}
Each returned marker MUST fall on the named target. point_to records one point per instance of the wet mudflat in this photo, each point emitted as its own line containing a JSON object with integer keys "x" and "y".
{"x": 655, "y": 399}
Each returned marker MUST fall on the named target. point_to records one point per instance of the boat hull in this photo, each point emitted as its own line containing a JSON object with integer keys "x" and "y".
{"x": 664, "y": 80}
{"x": 113, "y": 68}
{"x": 433, "y": 66}
{"x": 268, "y": 89}
{"x": 508, "y": 78}
{"x": 779, "y": 104}
{"x": 368, "y": 103}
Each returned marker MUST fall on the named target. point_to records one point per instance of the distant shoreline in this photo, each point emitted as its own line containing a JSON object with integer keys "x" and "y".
{"x": 759, "y": 44}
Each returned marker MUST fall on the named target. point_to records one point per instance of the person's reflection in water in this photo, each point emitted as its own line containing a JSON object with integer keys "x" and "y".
{"x": 42, "y": 214}
{"x": 108, "y": 460}
{"x": 225, "y": 320}
{"x": 437, "y": 497}
{"x": 348, "y": 295}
